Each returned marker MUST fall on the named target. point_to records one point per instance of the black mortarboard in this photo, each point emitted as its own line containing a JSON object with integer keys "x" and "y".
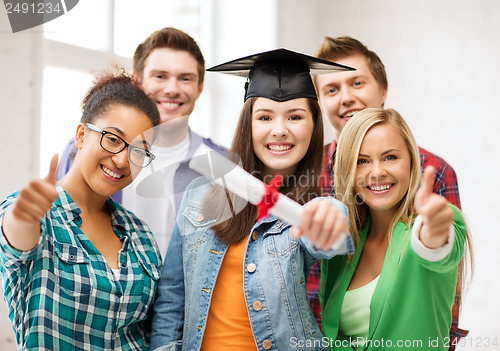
{"x": 280, "y": 74}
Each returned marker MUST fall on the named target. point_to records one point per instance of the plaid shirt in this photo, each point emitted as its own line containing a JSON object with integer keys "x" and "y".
{"x": 62, "y": 295}
{"x": 445, "y": 185}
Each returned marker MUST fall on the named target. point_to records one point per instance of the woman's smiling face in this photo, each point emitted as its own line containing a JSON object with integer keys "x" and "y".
{"x": 383, "y": 169}
{"x": 104, "y": 172}
{"x": 281, "y": 133}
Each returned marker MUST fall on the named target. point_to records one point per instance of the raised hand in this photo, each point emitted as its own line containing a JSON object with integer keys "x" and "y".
{"x": 21, "y": 222}
{"x": 36, "y": 198}
{"x": 322, "y": 223}
{"x": 437, "y": 215}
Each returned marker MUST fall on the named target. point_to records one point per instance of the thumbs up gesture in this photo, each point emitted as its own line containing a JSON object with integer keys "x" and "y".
{"x": 21, "y": 222}
{"x": 437, "y": 215}
{"x": 36, "y": 198}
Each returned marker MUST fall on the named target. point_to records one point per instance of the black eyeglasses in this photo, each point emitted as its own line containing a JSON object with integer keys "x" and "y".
{"x": 115, "y": 144}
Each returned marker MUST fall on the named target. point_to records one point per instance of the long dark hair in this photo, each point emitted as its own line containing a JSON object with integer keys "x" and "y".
{"x": 302, "y": 186}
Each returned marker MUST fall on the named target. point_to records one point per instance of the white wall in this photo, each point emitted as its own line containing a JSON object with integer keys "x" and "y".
{"x": 226, "y": 34}
{"x": 19, "y": 94}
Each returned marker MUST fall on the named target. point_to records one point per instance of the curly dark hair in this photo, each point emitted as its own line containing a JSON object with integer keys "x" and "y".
{"x": 116, "y": 88}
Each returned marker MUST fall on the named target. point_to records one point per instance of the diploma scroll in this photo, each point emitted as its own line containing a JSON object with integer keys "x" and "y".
{"x": 238, "y": 181}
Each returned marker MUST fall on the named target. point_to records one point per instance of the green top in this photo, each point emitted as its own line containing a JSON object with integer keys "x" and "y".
{"x": 355, "y": 312}
{"x": 411, "y": 305}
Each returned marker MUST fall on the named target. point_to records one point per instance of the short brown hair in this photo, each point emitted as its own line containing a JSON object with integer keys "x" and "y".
{"x": 171, "y": 38}
{"x": 333, "y": 49}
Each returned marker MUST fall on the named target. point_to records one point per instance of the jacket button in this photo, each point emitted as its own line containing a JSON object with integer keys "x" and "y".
{"x": 267, "y": 344}
{"x": 257, "y": 305}
{"x": 200, "y": 218}
{"x": 255, "y": 235}
{"x": 251, "y": 267}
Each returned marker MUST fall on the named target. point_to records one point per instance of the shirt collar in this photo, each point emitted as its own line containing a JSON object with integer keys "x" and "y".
{"x": 274, "y": 224}
{"x": 69, "y": 211}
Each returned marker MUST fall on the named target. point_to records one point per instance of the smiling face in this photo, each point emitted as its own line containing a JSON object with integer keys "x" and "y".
{"x": 171, "y": 79}
{"x": 342, "y": 94}
{"x": 106, "y": 173}
{"x": 383, "y": 169}
{"x": 281, "y": 133}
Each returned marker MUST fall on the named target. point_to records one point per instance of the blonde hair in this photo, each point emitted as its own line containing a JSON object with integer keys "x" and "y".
{"x": 346, "y": 162}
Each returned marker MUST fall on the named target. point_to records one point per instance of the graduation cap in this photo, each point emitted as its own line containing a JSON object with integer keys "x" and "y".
{"x": 280, "y": 74}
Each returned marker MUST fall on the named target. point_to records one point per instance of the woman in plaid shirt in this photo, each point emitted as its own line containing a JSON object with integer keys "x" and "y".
{"x": 80, "y": 271}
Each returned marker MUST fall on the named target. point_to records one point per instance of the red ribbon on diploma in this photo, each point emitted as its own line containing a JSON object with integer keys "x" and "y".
{"x": 270, "y": 197}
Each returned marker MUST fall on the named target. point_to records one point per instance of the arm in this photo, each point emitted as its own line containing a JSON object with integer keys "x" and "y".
{"x": 168, "y": 308}
{"x": 445, "y": 183}
{"x": 446, "y": 257}
{"x": 21, "y": 222}
{"x": 439, "y": 231}
{"x": 437, "y": 217}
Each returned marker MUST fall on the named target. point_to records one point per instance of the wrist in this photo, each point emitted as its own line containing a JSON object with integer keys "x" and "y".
{"x": 430, "y": 254}
{"x": 431, "y": 241}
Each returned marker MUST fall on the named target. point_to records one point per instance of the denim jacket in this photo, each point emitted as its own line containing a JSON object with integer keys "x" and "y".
{"x": 190, "y": 271}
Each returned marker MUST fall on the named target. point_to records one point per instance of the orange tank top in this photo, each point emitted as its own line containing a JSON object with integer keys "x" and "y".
{"x": 228, "y": 326}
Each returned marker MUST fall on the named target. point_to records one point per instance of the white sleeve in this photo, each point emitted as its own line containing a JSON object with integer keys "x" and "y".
{"x": 426, "y": 253}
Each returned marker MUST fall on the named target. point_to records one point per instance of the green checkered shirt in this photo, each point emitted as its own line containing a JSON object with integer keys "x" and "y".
{"x": 62, "y": 295}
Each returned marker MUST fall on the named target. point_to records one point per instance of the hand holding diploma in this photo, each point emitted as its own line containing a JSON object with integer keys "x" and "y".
{"x": 320, "y": 221}
{"x": 323, "y": 223}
